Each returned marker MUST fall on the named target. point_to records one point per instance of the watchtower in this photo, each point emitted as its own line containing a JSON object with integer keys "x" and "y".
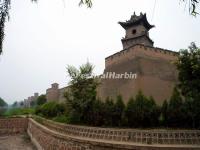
{"x": 137, "y": 31}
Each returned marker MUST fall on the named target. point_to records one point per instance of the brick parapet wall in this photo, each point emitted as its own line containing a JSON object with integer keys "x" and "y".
{"x": 47, "y": 135}
{"x": 140, "y": 50}
{"x": 13, "y": 125}
{"x": 50, "y": 139}
{"x": 170, "y": 137}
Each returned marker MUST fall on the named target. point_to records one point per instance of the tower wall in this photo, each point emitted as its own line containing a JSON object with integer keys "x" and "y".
{"x": 52, "y": 94}
{"x": 156, "y": 73}
{"x": 139, "y": 30}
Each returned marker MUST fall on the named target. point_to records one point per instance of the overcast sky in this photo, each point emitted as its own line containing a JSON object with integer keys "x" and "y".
{"x": 42, "y": 39}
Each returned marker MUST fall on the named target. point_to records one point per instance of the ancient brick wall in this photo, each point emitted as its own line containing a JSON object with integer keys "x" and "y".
{"x": 61, "y": 136}
{"x": 154, "y": 136}
{"x": 156, "y": 73}
{"x": 13, "y": 125}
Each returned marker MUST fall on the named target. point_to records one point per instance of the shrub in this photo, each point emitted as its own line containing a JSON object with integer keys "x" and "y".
{"x": 61, "y": 118}
{"x": 142, "y": 112}
{"x": 50, "y": 109}
{"x": 97, "y": 116}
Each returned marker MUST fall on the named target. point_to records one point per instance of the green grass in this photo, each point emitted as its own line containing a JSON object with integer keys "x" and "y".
{"x": 19, "y": 111}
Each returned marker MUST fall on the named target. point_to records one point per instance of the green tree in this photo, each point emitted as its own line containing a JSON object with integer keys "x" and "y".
{"x": 155, "y": 112}
{"x": 14, "y": 104}
{"x": 97, "y": 113}
{"x": 3, "y": 103}
{"x": 82, "y": 93}
{"x": 108, "y": 112}
{"x": 3, "y": 106}
{"x": 164, "y": 113}
{"x": 41, "y": 99}
{"x": 33, "y": 103}
{"x": 118, "y": 113}
{"x": 188, "y": 65}
{"x": 145, "y": 111}
{"x": 130, "y": 112}
{"x": 175, "y": 110}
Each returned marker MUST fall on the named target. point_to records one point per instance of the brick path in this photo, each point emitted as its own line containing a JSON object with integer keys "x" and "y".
{"x": 16, "y": 142}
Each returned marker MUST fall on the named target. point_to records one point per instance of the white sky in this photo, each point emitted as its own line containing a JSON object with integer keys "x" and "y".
{"x": 42, "y": 39}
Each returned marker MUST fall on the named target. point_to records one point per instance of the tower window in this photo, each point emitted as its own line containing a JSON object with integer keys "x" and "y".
{"x": 134, "y": 31}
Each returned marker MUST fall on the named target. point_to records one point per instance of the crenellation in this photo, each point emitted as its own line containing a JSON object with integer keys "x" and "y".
{"x": 127, "y": 53}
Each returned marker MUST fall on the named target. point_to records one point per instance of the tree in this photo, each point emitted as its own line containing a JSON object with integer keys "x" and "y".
{"x": 192, "y": 6}
{"x": 118, "y": 111}
{"x": 3, "y": 106}
{"x": 144, "y": 111}
{"x": 164, "y": 113}
{"x": 188, "y": 65}
{"x": 14, "y": 104}
{"x": 33, "y": 103}
{"x": 175, "y": 110}
{"x": 82, "y": 93}
{"x": 129, "y": 112}
{"x": 21, "y": 104}
{"x": 3, "y": 103}
{"x": 108, "y": 112}
{"x": 98, "y": 113}
{"x": 41, "y": 99}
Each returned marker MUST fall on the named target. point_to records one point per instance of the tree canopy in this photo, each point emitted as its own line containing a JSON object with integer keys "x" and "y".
{"x": 82, "y": 92}
{"x": 41, "y": 100}
{"x": 2, "y": 103}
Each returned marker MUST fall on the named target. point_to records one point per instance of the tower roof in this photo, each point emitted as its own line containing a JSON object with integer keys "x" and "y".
{"x": 136, "y": 20}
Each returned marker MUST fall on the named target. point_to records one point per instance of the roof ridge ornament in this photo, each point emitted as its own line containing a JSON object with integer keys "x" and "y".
{"x": 135, "y": 20}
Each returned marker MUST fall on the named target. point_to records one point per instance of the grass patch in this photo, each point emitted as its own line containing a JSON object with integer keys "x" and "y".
{"x": 19, "y": 111}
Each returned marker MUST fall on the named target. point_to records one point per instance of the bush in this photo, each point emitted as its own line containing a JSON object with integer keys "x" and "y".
{"x": 142, "y": 112}
{"x": 50, "y": 109}
{"x": 61, "y": 118}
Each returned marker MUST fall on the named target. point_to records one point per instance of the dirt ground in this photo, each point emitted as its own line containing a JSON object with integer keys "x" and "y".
{"x": 16, "y": 142}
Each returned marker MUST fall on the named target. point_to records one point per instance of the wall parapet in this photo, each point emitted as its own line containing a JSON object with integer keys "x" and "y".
{"x": 49, "y": 138}
{"x": 153, "y": 136}
{"x": 133, "y": 51}
{"x": 60, "y": 136}
{"x": 13, "y": 125}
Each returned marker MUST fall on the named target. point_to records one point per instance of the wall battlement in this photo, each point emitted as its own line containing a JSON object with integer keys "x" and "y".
{"x": 134, "y": 51}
